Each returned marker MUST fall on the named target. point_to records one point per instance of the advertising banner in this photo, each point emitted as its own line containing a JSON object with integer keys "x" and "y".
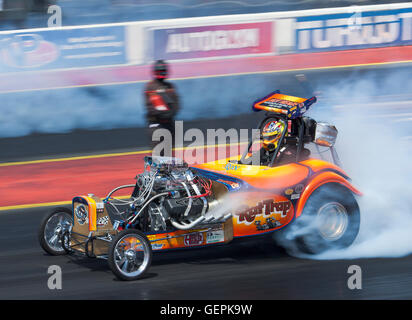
{"x": 354, "y": 30}
{"x": 61, "y": 49}
{"x": 212, "y": 41}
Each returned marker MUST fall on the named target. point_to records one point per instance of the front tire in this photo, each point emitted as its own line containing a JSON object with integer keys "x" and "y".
{"x": 52, "y": 227}
{"x": 130, "y": 255}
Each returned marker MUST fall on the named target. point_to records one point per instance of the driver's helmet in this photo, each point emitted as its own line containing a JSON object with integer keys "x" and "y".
{"x": 271, "y": 134}
{"x": 160, "y": 69}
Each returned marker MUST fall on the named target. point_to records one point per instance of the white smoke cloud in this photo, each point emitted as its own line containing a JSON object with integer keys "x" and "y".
{"x": 375, "y": 148}
{"x": 121, "y": 106}
{"x": 64, "y": 110}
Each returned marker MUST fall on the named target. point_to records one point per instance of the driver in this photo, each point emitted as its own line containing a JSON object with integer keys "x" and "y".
{"x": 271, "y": 135}
{"x": 271, "y": 138}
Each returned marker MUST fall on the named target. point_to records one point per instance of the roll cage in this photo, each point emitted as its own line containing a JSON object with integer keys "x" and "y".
{"x": 297, "y": 139}
{"x": 301, "y": 130}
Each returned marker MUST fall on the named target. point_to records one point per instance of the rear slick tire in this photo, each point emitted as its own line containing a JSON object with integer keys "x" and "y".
{"x": 330, "y": 220}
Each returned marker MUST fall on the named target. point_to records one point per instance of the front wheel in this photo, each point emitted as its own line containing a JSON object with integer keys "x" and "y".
{"x": 52, "y": 228}
{"x": 130, "y": 255}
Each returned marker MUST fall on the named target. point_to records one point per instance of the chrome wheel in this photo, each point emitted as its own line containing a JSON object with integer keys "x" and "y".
{"x": 55, "y": 226}
{"x": 131, "y": 255}
{"x": 52, "y": 228}
{"x": 332, "y": 221}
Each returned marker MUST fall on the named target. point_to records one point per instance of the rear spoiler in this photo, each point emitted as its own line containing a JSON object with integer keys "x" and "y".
{"x": 290, "y": 106}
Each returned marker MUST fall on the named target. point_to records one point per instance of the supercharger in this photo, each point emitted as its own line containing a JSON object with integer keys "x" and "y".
{"x": 169, "y": 193}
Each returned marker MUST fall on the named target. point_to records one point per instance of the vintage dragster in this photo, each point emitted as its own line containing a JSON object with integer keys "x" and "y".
{"x": 176, "y": 206}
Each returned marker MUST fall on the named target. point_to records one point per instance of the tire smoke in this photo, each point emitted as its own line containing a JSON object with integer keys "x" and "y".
{"x": 374, "y": 144}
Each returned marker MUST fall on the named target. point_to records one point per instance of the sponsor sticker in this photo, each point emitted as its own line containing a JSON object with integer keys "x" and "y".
{"x": 99, "y": 207}
{"x": 232, "y": 184}
{"x": 299, "y": 188}
{"x": 116, "y": 225}
{"x": 288, "y": 192}
{"x": 81, "y": 213}
{"x": 230, "y": 166}
{"x": 157, "y": 245}
{"x": 102, "y": 221}
{"x": 215, "y": 236}
{"x": 193, "y": 239}
{"x": 265, "y": 208}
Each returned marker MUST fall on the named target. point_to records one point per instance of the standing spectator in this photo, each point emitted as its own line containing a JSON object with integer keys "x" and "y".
{"x": 162, "y": 102}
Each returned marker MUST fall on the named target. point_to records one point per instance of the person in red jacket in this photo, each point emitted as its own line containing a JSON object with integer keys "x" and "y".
{"x": 162, "y": 102}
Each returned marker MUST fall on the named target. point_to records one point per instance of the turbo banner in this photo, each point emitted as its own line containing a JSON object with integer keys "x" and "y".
{"x": 354, "y": 30}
